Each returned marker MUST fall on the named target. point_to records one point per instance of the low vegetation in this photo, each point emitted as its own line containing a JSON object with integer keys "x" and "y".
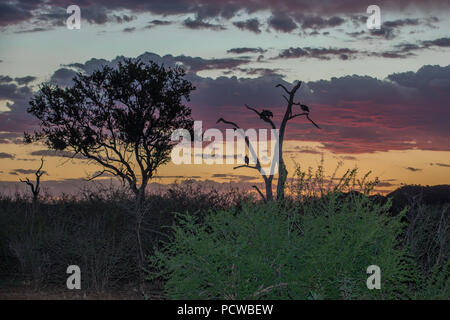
{"x": 202, "y": 244}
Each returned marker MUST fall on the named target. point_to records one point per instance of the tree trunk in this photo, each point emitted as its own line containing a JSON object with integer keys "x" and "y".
{"x": 269, "y": 192}
{"x": 139, "y": 215}
{"x": 282, "y": 171}
{"x": 282, "y": 176}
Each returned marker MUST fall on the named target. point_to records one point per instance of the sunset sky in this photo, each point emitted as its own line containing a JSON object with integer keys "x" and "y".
{"x": 382, "y": 97}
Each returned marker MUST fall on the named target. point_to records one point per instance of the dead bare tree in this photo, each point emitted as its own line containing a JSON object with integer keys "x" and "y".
{"x": 35, "y": 187}
{"x": 265, "y": 116}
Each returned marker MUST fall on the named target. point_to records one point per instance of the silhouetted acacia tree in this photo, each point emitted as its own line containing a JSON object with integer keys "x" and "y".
{"x": 120, "y": 118}
{"x": 36, "y": 186}
{"x": 266, "y": 115}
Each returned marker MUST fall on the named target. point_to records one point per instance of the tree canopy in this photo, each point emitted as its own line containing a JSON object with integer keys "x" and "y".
{"x": 121, "y": 118}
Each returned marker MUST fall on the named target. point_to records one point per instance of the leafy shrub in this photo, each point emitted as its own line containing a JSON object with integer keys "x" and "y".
{"x": 272, "y": 252}
{"x": 428, "y": 235}
{"x": 313, "y": 183}
{"x": 341, "y": 238}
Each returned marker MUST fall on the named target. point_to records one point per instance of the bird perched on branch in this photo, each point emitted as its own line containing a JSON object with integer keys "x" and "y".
{"x": 247, "y": 160}
{"x": 266, "y": 114}
{"x": 304, "y": 107}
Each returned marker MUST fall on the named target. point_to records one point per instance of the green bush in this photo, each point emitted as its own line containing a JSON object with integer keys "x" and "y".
{"x": 273, "y": 252}
{"x": 428, "y": 235}
{"x": 437, "y": 284}
{"x": 341, "y": 237}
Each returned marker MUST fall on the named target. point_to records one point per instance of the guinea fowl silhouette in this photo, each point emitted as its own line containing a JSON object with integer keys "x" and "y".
{"x": 266, "y": 114}
{"x": 304, "y": 107}
{"x": 247, "y": 160}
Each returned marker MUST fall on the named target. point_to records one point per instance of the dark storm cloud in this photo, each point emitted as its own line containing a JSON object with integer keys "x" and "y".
{"x": 413, "y": 169}
{"x": 441, "y": 165}
{"x": 177, "y": 177}
{"x": 52, "y": 153}
{"x": 17, "y": 118}
{"x": 238, "y": 177}
{"x": 22, "y": 171}
{"x": 350, "y": 158}
{"x": 402, "y": 23}
{"x": 318, "y": 53}
{"x": 252, "y": 25}
{"x": 157, "y": 22}
{"x": 4, "y": 155}
{"x": 10, "y": 137}
{"x": 200, "y": 24}
{"x": 5, "y": 79}
{"x": 300, "y": 150}
{"x": 192, "y": 64}
{"x": 11, "y": 13}
{"x": 394, "y": 54}
{"x": 282, "y": 22}
{"x": 404, "y": 50}
{"x": 397, "y": 51}
{"x": 357, "y": 113}
{"x": 63, "y": 76}
{"x": 24, "y": 80}
{"x": 32, "y": 30}
{"x": 262, "y": 72}
{"x": 196, "y": 64}
{"x": 246, "y": 50}
{"x": 129, "y": 29}
{"x": 123, "y": 18}
{"x": 384, "y": 184}
{"x": 104, "y": 11}
{"x": 384, "y": 32}
{"x": 318, "y": 22}
{"x": 407, "y": 48}
{"x": 389, "y": 29}
{"x": 410, "y": 107}
{"x": 441, "y": 42}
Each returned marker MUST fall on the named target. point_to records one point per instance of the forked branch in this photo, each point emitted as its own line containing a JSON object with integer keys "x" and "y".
{"x": 35, "y": 187}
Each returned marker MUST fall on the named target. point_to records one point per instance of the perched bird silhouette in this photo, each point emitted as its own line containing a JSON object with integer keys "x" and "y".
{"x": 247, "y": 160}
{"x": 304, "y": 107}
{"x": 267, "y": 114}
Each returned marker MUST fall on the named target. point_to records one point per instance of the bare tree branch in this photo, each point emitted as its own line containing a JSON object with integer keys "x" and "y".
{"x": 282, "y": 171}
{"x": 245, "y": 166}
{"x": 260, "y": 193}
{"x": 284, "y": 88}
{"x": 228, "y": 122}
{"x": 267, "y": 178}
{"x": 265, "y": 119}
{"x": 297, "y": 115}
{"x": 96, "y": 175}
{"x": 35, "y": 187}
{"x": 307, "y": 116}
